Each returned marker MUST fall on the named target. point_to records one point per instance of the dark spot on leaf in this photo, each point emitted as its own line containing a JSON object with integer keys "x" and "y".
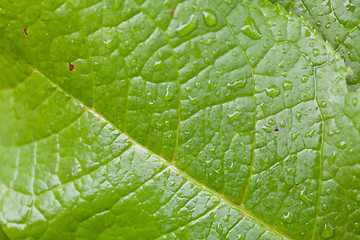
{"x": 276, "y": 129}
{"x": 71, "y": 67}
{"x": 100, "y": 101}
{"x": 171, "y": 14}
{"x": 25, "y": 31}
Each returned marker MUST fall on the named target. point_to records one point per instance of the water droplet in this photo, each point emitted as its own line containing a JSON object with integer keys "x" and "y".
{"x": 196, "y": 7}
{"x": 287, "y": 85}
{"x": 295, "y": 136}
{"x": 210, "y": 18}
{"x": 228, "y": 2}
{"x": 288, "y": 218}
{"x": 193, "y": 100}
{"x": 310, "y": 134}
{"x": 354, "y": 102}
{"x": 298, "y": 116}
{"x": 168, "y": 95}
{"x": 328, "y": 25}
{"x": 188, "y": 89}
{"x": 228, "y": 42}
{"x": 127, "y": 43}
{"x": 303, "y": 197}
{"x": 188, "y": 27}
{"x": 233, "y": 116}
{"x": 272, "y": 91}
{"x": 208, "y": 42}
{"x": 357, "y": 198}
{"x": 337, "y": 38}
{"x": 238, "y": 84}
{"x": 250, "y": 29}
{"x": 324, "y": 206}
{"x": 232, "y": 167}
{"x": 282, "y": 124}
{"x": 271, "y": 122}
{"x": 316, "y": 52}
{"x": 198, "y": 85}
{"x": 304, "y": 79}
{"x": 281, "y": 64}
{"x": 108, "y": 43}
{"x": 328, "y": 231}
{"x": 332, "y": 159}
{"x": 211, "y": 85}
{"x": 234, "y": 53}
{"x": 267, "y": 129}
{"x": 341, "y": 144}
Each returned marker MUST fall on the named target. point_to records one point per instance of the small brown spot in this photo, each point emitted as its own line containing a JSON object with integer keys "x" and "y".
{"x": 71, "y": 67}
{"x": 171, "y": 14}
{"x": 100, "y": 101}
{"x": 276, "y": 129}
{"x": 25, "y": 31}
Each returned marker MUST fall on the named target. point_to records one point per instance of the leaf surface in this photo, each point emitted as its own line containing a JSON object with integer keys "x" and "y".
{"x": 165, "y": 128}
{"x": 338, "y": 22}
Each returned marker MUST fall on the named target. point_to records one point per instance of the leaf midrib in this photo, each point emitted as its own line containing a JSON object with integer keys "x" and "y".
{"x": 170, "y": 164}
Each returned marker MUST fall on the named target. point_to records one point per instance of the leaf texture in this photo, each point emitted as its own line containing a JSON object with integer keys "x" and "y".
{"x": 338, "y": 22}
{"x": 165, "y": 128}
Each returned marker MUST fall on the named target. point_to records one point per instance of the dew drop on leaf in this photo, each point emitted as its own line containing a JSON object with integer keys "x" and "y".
{"x": 193, "y": 100}
{"x": 238, "y": 84}
{"x": 354, "y": 102}
{"x": 272, "y": 91}
{"x": 186, "y": 28}
{"x": 228, "y": 2}
{"x": 304, "y": 79}
{"x": 168, "y": 95}
{"x": 233, "y": 116}
{"x": 288, "y": 218}
{"x": 210, "y": 18}
{"x": 316, "y": 52}
{"x": 108, "y": 43}
{"x": 357, "y": 198}
{"x": 287, "y": 85}
{"x": 328, "y": 231}
{"x": 310, "y": 134}
{"x": 271, "y": 122}
{"x": 303, "y": 196}
{"x": 295, "y": 136}
{"x": 250, "y": 29}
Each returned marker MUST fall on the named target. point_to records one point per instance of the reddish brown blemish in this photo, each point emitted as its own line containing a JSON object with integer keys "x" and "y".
{"x": 100, "y": 101}
{"x": 276, "y": 129}
{"x": 25, "y": 31}
{"x": 71, "y": 67}
{"x": 171, "y": 14}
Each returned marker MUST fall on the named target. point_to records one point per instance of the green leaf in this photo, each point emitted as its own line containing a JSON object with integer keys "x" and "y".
{"x": 165, "y": 128}
{"x": 338, "y": 21}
